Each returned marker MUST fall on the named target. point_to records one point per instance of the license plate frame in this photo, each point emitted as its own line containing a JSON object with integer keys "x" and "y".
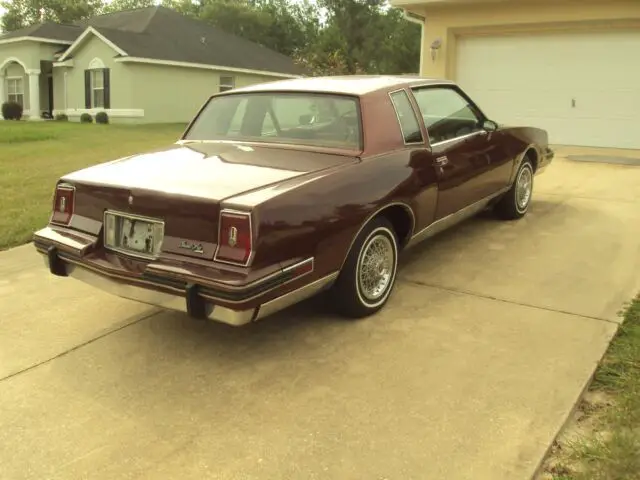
{"x": 134, "y": 235}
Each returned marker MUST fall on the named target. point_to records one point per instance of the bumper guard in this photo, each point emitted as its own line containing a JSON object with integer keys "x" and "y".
{"x": 188, "y": 300}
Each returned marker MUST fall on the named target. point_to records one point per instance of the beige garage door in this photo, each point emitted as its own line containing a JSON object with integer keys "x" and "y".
{"x": 583, "y": 88}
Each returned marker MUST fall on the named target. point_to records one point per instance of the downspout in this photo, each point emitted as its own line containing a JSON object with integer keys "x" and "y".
{"x": 420, "y": 20}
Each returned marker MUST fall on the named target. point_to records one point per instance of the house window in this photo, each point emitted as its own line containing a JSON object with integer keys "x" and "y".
{"x": 15, "y": 90}
{"x": 227, "y": 83}
{"x": 97, "y": 88}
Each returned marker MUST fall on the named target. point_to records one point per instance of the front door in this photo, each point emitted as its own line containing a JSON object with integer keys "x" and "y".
{"x": 467, "y": 158}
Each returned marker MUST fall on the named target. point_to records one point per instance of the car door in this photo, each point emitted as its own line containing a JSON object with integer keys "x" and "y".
{"x": 470, "y": 161}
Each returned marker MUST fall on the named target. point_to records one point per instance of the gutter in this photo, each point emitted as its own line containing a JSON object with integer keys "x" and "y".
{"x": 420, "y": 20}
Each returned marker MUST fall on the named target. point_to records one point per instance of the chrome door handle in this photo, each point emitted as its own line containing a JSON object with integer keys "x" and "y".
{"x": 441, "y": 161}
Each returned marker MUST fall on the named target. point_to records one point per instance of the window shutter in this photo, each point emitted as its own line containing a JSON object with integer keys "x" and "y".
{"x": 107, "y": 88}
{"x": 87, "y": 89}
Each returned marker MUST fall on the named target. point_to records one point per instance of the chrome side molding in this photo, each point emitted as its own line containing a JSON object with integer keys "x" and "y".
{"x": 445, "y": 223}
{"x": 295, "y": 296}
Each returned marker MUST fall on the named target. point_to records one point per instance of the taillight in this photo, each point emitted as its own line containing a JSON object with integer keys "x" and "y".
{"x": 235, "y": 242}
{"x": 63, "y": 204}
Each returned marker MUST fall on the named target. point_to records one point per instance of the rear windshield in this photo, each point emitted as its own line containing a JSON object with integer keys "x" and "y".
{"x": 321, "y": 120}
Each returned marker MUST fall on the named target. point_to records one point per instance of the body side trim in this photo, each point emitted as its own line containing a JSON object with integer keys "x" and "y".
{"x": 295, "y": 296}
{"x": 450, "y": 220}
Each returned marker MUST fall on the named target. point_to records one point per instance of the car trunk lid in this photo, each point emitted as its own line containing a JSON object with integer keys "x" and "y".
{"x": 184, "y": 187}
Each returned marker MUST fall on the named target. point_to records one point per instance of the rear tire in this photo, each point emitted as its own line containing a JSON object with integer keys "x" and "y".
{"x": 515, "y": 203}
{"x": 369, "y": 273}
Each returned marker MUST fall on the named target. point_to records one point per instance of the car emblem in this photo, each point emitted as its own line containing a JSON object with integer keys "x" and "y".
{"x": 63, "y": 204}
{"x": 233, "y": 237}
{"x": 130, "y": 199}
{"x": 194, "y": 247}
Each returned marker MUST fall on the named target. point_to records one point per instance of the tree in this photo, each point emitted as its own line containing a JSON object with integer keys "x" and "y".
{"x": 362, "y": 36}
{"x": 23, "y": 13}
{"x": 293, "y": 26}
{"x": 281, "y": 25}
{"x": 119, "y": 5}
{"x": 352, "y": 25}
{"x": 191, "y": 8}
{"x": 398, "y": 48}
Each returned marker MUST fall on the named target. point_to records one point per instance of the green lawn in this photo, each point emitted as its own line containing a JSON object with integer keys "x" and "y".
{"x": 610, "y": 447}
{"x": 33, "y": 155}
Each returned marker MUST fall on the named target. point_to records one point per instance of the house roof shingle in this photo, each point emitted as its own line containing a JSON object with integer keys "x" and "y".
{"x": 52, "y": 31}
{"x": 160, "y": 33}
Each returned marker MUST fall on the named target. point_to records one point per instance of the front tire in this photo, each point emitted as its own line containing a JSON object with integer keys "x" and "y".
{"x": 515, "y": 203}
{"x": 369, "y": 273}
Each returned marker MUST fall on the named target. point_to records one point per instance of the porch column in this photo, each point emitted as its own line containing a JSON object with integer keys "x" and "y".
{"x": 3, "y": 97}
{"x": 34, "y": 94}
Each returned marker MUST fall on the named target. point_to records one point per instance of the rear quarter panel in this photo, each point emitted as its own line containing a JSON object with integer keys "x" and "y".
{"x": 321, "y": 218}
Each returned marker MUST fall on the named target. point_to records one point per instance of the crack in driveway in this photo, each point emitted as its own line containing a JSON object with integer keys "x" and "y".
{"x": 78, "y": 346}
{"x": 503, "y": 300}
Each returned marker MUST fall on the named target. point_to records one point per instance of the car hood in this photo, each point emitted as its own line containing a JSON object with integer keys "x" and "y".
{"x": 211, "y": 171}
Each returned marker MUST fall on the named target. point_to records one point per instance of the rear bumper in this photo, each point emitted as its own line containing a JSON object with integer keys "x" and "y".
{"x": 196, "y": 300}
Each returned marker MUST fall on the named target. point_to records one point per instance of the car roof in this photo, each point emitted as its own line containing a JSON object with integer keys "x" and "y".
{"x": 346, "y": 84}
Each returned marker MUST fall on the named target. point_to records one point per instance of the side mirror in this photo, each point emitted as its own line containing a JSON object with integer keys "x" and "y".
{"x": 490, "y": 125}
{"x": 305, "y": 119}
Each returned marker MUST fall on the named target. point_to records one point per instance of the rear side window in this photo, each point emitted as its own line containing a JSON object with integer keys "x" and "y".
{"x": 406, "y": 117}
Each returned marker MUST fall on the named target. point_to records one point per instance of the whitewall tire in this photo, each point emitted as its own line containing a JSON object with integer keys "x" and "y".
{"x": 369, "y": 273}
{"x": 515, "y": 203}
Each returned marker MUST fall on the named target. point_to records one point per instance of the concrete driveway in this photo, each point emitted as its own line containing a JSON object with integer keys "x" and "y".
{"x": 493, "y": 332}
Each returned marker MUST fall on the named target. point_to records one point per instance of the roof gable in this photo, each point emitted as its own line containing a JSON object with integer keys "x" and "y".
{"x": 81, "y": 40}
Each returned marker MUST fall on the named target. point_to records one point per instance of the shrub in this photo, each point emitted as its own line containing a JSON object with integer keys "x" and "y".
{"x": 62, "y": 117}
{"x": 86, "y": 118}
{"x": 12, "y": 111}
{"x": 102, "y": 117}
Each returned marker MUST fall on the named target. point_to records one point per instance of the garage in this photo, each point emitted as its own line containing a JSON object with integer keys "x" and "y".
{"x": 570, "y": 67}
{"x": 583, "y": 88}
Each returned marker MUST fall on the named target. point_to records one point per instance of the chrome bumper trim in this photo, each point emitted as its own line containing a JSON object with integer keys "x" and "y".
{"x": 157, "y": 298}
{"x": 295, "y": 296}
{"x": 178, "y": 302}
{"x": 50, "y": 236}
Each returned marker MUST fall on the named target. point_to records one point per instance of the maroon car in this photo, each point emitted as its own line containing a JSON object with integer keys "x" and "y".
{"x": 278, "y": 191}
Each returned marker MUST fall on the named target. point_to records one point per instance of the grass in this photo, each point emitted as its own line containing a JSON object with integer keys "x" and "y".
{"x": 610, "y": 449}
{"x": 33, "y": 155}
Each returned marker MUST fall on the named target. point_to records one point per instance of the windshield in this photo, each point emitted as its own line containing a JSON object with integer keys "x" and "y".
{"x": 322, "y": 120}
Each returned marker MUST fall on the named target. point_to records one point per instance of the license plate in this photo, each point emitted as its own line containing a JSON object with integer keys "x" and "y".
{"x": 133, "y": 234}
